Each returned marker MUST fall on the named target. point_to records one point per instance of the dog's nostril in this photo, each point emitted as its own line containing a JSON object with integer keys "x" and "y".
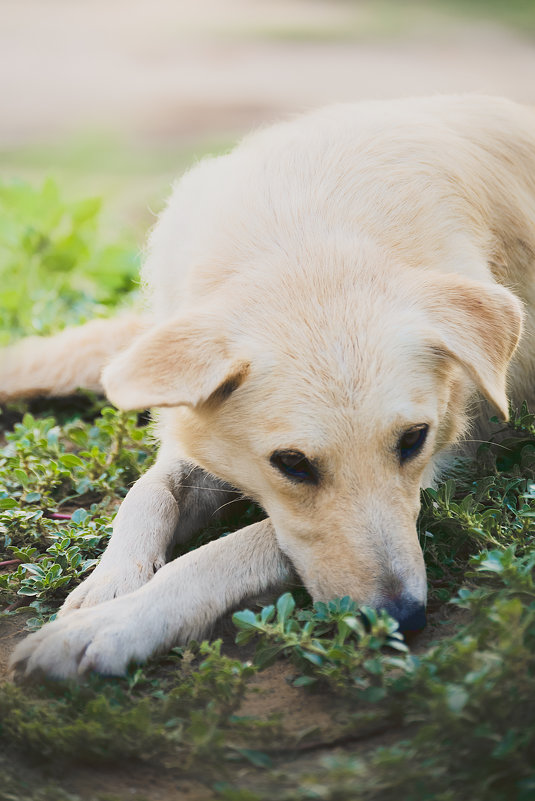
{"x": 409, "y": 613}
{"x": 416, "y": 620}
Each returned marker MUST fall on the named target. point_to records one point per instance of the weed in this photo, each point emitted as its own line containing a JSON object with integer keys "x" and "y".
{"x": 67, "y": 275}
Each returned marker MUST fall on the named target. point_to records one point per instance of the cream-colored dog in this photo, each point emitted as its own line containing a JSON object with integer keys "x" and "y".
{"x": 330, "y": 303}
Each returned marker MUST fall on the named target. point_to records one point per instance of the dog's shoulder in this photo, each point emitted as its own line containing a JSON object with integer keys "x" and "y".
{"x": 460, "y": 162}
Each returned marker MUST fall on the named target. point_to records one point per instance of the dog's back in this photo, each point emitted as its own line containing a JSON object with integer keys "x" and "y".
{"x": 443, "y": 183}
{"x": 436, "y": 181}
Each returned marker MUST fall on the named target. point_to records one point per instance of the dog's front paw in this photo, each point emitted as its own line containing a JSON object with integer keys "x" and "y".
{"x": 104, "y": 639}
{"x": 110, "y": 580}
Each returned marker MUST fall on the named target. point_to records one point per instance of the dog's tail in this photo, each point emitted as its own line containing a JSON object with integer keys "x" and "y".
{"x": 61, "y": 364}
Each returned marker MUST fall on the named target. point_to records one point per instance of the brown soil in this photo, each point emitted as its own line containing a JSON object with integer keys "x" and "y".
{"x": 11, "y": 632}
{"x": 312, "y": 722}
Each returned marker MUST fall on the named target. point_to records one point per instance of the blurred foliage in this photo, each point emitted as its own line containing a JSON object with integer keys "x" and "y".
{"x": 380, "y": 20}
{"x": 53, "y": 270}
{"x": 519, "y": 14}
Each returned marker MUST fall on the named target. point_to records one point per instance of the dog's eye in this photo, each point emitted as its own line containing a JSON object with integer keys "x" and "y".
{"x": 295, "y": 466}
{"x": 412, "y": 442}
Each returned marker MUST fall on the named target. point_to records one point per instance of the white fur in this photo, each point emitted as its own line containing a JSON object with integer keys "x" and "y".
{"x": 345, "y": 276}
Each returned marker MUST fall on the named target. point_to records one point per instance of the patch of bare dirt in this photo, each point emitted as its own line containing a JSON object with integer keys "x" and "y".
{"x": 134, "y": 783}
{"x": 304, "y": 716}
{"x": 11, "y": 632}
{"x": 127, "y": 782}
{"x": 310, "y": 725}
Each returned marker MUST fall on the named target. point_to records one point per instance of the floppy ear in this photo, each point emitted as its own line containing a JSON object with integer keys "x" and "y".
{"x": 183, "y": 362}
{"x": 479, "y": 325}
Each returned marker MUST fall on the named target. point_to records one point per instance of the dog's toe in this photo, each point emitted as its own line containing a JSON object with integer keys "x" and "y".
{"x": 105, "y": 585}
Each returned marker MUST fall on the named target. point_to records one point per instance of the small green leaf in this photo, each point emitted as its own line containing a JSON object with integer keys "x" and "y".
{"x": 257, "y": 758}
{"x": 246, "y": 619}
{"x": 80, "y": 515}
{"x": 7, "y": 503}
{"x": 316, "y": 659}
{"x": 71, "y": 460}
{"x": 456, "y": 697}
{"x": 32, "y": 497}
{"x": 285, "y": 607}
{"x": 304, "y": 681}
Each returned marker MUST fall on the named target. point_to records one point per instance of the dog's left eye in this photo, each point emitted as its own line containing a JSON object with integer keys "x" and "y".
{"x": 412, "y": 442}
{"x": 295, "y": 466}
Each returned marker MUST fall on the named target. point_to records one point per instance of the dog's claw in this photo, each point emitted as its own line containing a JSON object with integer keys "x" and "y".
{"x": 103, "y": 638}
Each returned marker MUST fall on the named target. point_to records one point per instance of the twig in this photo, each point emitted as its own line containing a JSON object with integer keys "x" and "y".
{"x": 10, "y": 562}
{"x": 57, "y": 516}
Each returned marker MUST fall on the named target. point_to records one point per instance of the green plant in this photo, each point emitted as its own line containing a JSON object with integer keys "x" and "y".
{"x": 52, "y": 267}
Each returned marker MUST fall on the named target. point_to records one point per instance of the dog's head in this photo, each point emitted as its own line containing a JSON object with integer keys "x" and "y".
{"x": 328, "y": 400}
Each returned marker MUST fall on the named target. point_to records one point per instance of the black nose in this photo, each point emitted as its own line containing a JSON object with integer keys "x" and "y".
{"x": 409, "y": 613}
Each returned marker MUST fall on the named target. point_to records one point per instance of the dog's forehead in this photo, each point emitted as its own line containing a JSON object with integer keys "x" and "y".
{"x": 338, "y": 337}
{"x": 355, "y": 383}
{"x": 326, "y": 383}
{"x": 343, "y": 345}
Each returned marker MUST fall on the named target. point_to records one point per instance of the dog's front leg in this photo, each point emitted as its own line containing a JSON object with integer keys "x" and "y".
{"x": 182, "y": 601}
{"x": 172, "y": 501}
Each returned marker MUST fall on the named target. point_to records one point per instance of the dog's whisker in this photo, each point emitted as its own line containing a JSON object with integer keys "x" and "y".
{"x": 223, "y": 505}
{"x": 488, "y": 442}
{"x": 192, "y": 469}
{"x": 213, "y": 489}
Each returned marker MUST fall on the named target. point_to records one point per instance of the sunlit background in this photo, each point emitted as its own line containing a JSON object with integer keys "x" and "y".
{"x": 116, "y": 97}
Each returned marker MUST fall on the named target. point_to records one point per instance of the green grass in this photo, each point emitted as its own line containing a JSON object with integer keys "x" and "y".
{"x": 449, "y": 717}
{"x": 367, "y": 21}
{"x": 517, "y": 14}
{"x": 134, "y": 177}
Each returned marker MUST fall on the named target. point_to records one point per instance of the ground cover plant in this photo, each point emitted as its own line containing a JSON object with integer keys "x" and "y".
{"x": 450, "y": 715}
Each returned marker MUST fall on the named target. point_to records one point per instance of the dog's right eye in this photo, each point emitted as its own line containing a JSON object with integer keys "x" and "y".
{"x": 295, "y": 466}
{"x": 412, "y": 442}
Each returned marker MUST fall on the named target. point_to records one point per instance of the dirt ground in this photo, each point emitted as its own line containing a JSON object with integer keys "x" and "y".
{"x": 313, "y": 721}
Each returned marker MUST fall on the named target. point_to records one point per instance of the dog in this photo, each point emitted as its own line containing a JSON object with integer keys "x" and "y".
{"x": 333, "y": 306}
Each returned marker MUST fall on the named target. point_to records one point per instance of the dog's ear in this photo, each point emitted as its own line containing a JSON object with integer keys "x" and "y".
{"x": 183, "y": 362}
{"x": 479, "y": 325}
